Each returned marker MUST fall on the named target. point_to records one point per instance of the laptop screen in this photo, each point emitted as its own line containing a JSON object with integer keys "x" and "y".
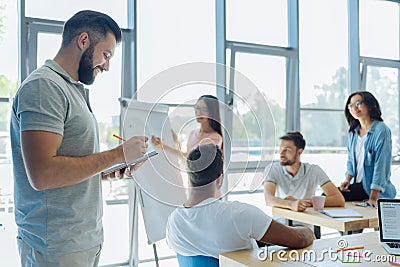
{"x": 389, "y": 218}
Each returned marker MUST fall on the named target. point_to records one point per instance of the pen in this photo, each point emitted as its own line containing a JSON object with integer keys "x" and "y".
{"x": 119, "y": 137}
{"x": 351, "y": 248}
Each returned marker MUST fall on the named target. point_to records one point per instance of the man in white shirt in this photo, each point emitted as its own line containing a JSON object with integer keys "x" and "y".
{"x": 291, "y": 183}
{"x": 206, "y": 226}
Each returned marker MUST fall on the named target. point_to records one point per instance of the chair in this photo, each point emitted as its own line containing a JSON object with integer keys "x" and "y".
{"x": 197, "y": 261}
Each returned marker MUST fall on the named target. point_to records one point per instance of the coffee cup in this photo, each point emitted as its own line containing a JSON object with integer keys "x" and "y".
{"x": 318, "y": 202}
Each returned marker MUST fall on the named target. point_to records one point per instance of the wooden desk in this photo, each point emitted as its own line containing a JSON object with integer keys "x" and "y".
{"x": 370, "y": 241}
{"x": 309, "y": 216}
{"x": 242, "y": 258}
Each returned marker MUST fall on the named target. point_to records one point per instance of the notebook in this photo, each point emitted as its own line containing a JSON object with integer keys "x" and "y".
{"x": 389, "y": 226}
{"x": 342, "y": 213}
{"x": 124, "y": 165}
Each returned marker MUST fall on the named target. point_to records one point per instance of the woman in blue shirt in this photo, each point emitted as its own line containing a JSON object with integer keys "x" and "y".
{"x": 369, "y": 151}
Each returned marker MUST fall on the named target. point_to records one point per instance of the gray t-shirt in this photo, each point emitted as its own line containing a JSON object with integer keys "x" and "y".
{"x": 68, "y": 219}
{"x": 301, "y": 186}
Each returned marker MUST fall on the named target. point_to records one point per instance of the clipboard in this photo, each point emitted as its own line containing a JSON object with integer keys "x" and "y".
{"x": 124, "y": 165}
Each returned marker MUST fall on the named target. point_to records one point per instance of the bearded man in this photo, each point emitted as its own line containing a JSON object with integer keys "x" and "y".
{"x": 55, "y": 149}
{"x": 291, "y": 183}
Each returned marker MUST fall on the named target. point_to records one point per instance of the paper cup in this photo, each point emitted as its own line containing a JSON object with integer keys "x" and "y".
{"x": 318, "y": 202}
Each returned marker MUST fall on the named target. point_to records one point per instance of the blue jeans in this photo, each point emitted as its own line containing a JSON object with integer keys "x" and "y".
{"x": 32, "y": 258}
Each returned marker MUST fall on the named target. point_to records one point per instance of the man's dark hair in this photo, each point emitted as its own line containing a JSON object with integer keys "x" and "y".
{"x": 296, "y": 137}
{"x": 96, "y": 24}
{"x": 205, "y": 164}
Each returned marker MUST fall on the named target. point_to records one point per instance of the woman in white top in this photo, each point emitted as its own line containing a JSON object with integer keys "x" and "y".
{"x": 207, "y": 114}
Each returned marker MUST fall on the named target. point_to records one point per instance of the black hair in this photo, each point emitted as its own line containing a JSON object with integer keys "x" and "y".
{"x": 96, "y": 24}
{"x": 205, "y": 164}
{"x": 296, "y": 137}
{"x": 370, "y": 102}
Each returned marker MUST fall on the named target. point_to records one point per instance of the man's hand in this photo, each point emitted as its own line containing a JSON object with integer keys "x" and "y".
{"x": 289, "y": 198}
{"x": 114, "y": 175}
{"x": 134, "y": 148}
{"x": 129, "y": 171}
{"x": 300, "y": 204}
{"x": 126, "y": 172}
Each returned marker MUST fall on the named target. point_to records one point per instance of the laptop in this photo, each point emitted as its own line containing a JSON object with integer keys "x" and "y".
{"x": 389, "y": 226}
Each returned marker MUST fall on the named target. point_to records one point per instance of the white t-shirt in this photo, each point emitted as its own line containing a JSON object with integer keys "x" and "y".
{"x": 213, "y": 227}
{"x": 301, "y": 186}
{"x": 360, "y": 151}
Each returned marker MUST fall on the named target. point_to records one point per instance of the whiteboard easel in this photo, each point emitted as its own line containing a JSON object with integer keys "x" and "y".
{"x": 158, "y": 185}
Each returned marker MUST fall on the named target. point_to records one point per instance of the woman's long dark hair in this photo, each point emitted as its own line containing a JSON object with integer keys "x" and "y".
{"x": 369, "y": 101}
{"x": 214, "y": 117}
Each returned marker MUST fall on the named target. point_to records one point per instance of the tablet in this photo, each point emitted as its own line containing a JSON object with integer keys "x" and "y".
{"x": 124, "y": 165}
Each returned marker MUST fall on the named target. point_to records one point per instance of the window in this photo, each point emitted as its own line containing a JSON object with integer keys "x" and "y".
{"x": 323, "y": 54}
{"x": 258, "y": 111}
{"x": 257, "y": 21}
{"x": 379, "y": 29}
{"x": 168, "y": 38}
{"x": 323, "y": 83}
{"x": 62, "y": 10}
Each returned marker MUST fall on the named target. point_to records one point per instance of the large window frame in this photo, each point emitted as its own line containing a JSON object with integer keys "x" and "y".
{"x": 290, "y": 53}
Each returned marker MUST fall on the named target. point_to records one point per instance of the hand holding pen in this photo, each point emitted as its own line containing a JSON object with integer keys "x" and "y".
{"x": 130, "y": 149}
{"x": 133, "y": 148}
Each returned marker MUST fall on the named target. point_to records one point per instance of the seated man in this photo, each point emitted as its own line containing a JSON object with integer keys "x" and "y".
{"x": 291, "y": 183}
{"x": 204, "y": 225}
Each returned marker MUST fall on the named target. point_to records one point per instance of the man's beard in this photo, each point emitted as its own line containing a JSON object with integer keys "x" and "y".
{"x": 288, "y": 162}
{"x": 85, "y": 70}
